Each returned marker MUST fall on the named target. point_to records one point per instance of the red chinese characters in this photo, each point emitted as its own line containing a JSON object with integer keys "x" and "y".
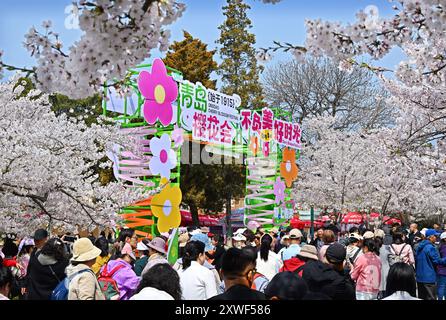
{"x": 199, "y": 126}
{"x": 225, "y": 132}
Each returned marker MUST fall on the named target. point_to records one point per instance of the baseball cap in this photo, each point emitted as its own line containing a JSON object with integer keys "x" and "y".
{"x": 336, "y": 253}
{"x": 239, "y": 237}
{"x": 443, "y": 236}
{"x": 286, "y": 237}
{"x": 379, "y": 233}
{"x": 356, "y": 236}
{"x": 40, "y": 234}
{"x": 295, "y": 234}
{"x": 368, "y": 235}
{"x": 431, "y": 232}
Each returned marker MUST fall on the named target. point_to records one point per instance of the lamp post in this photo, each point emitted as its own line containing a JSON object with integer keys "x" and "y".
{"x": 312, "y": 222}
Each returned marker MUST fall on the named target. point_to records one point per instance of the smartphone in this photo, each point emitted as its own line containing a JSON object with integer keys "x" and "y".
{"x": 69, "y": 238}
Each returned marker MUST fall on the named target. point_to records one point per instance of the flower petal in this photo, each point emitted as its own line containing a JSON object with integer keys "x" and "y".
{"x": 150, "y": 111}
{"x": 155, "y": 165}
{"x": 146, "y": 85}
{"x": 165, "y": 113}
{"x": 156, "y": 145}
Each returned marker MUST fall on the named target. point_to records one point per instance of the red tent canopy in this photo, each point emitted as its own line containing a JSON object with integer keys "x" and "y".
{"x": 299, "y": 224}
{"x": 352, "y": 218}
{"x": 388, "y": 220}
{"x": 205, "y": 220}
{"x": 374, "y": 215}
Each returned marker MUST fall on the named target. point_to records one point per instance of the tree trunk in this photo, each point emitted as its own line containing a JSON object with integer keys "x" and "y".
{"x": 228, "y": 216}
{"x": 194, "y": 214}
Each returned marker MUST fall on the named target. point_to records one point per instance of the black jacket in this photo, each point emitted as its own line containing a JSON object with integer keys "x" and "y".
{"x": 40, "y": 278}
{"x": 412, "y": 236}
{"x": 322, "y": 278}
{"x": 240, "y": 292}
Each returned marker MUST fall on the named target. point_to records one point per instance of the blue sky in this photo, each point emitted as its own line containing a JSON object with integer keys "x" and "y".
{"x": 283, "y": 22}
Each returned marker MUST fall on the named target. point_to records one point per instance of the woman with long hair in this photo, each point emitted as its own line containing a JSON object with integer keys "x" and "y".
{"x": 268, "y": 262}
{"x": 367, "y": 272}
{"x": 401, "y": 283}
{"x": 197, "y": 281}
{"x": 161, "y": 282}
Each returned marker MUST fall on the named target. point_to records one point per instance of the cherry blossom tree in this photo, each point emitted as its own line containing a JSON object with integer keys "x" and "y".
{"x": 361, "y": 170}
{"x": 46, "y": 164}
{"x": 118, "y": 35}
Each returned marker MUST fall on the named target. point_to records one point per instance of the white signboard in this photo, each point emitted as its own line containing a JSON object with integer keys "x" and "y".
{"x": 209, "y": 114}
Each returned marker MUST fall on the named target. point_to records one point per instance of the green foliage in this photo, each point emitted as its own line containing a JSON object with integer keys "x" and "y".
{"x": 239, "y": 70}
{"x": 191, "y": 57}
{"x": 89, "y": 109}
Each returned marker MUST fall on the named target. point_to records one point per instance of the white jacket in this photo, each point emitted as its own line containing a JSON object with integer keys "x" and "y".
{"x": 271, "y": 267}
{"x": 149, "y": 293}
{"x": 197, "y": 282}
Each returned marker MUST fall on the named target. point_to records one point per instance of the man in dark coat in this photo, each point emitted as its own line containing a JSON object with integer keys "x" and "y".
{"x": 330, "y": 279}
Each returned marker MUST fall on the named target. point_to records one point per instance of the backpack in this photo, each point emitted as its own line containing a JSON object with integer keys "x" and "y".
{"x": 108, "y": 285}
{"x": 393, "y": 257}
{"x": 62, "y": 289}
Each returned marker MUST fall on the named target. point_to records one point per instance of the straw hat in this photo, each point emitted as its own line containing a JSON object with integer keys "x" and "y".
{"x": 84, "y": 250}
{"x": 183, "y": 239}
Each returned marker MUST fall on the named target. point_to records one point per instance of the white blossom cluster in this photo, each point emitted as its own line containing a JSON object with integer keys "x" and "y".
{"x": 356, "y": 170}
{"x": 418, "y": 27}
{"x": 118, "y": 35}
{"x": 46, "y": 164}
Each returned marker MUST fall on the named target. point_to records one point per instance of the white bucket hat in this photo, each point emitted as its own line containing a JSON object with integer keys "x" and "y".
{"x": 84, "y": 250}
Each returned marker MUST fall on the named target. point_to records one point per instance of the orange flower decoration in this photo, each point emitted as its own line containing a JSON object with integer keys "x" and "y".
{"x": 254, "y": 146}
{"x": 288, "y": 167}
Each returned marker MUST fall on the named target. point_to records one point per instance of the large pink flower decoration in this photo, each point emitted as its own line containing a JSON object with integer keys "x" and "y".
{"x": 159, "y": 91}
{"x": 279, "y": 190}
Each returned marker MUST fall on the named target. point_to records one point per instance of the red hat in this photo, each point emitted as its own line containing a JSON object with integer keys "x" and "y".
{"x": 210, "y": 235}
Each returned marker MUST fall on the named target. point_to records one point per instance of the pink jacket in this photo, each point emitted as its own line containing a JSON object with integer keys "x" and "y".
{"x": 367, "y": 273}
{"x": 406, "y": 253}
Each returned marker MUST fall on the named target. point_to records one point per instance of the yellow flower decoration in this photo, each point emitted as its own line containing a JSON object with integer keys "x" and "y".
{"x": 166, "y": 207}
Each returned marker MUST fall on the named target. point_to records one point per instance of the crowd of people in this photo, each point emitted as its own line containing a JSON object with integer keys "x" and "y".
{"x": 361, "y": 264}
